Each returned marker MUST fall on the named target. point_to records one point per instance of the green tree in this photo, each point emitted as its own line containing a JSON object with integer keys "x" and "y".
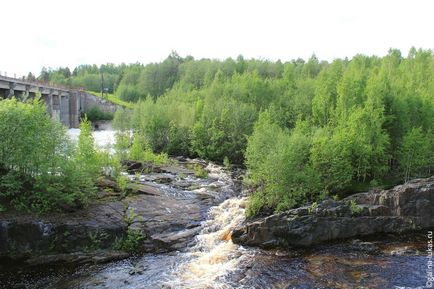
{"x": 415, "y": 155}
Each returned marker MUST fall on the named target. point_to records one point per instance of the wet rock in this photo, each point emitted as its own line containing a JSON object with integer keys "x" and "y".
{"x": 107, "y": 183}
{"x": 404, "y": 251}
{"x": 404, "y": 208}
{"x": 168, "y": 217}
{"x": 364, "y": 247}
{"x": 144, "y": 189}
{"x": 77, "y": 258}
{"x": 61, "y": 232}
{"x": 133, "y": 167}
{"x": 176, "y": 240}
{"x": 19, "y": 286}
{"x": 164, "y": 219}
{"x": 178, "y": 170}
{"x": 159, "y": 178}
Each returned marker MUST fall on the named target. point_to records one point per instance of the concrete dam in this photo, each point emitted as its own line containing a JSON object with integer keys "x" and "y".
{"x": 63, "y": 104}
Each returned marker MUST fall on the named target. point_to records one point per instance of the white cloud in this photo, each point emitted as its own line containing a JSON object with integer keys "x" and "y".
{"x": 67, "y": 33}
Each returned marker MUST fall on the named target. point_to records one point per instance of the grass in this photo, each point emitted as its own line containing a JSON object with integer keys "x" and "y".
{"x": 113, "y": 98}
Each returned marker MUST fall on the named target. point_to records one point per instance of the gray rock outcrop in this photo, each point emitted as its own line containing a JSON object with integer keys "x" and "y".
{"x": 404, "y": 208}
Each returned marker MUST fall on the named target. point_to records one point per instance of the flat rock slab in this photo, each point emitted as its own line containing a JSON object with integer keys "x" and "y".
{"x": 144, "y": 189}
{"x": 29, "y": 235}
{"x": 161, "y": 215}
{"x": 178, "y": 170}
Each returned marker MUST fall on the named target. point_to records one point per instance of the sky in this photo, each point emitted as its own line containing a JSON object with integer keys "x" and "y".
{"x": 54, "y": 33}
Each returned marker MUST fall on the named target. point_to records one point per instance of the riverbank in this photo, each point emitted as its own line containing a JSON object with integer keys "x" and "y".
{"x": 165, "y": 206}
{"x": 404, "y": 208}
{"x": 188, "y": 223}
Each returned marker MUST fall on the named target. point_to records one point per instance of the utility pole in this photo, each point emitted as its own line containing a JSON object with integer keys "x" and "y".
{"x": 102, "y": 83}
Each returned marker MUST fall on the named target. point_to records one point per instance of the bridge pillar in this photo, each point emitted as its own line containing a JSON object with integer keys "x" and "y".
{"x": 11, "y": 90}
{"x": 46, "y": 98}
{"x": 50, "y": 98}
{"x": 74, "y": 104}
{"x": 64, "y": 109}
{"x": 55, "y": 104}
{"x": 4, "y": 93}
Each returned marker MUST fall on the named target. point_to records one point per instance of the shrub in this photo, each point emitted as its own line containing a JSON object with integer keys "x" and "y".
{"x": 122, "y": 144}
{"x": 254, "y": 204}
{"x": 131, "y": 242}
{"x": 199, "y": 171}
{"x": 227, "y": 163}
{"x": 355, "y": 209}
{"x": 39, "y": 168}
{"x": 278, "y": 165}
{"x": 140, "y": 151}
{"x": 122, "y": 183}
{"x": 95, "y": 113}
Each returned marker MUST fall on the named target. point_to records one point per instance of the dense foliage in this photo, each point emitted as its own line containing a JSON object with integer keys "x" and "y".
{"x": 133, "y": 82}
{"x": 304, "y": 129}
{"x": 95, "y": 113}
{"x": 40, "y": 170}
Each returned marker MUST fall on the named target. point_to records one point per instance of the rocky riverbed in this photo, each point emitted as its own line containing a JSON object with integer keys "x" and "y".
{"x": 166, "y": 205}
{"x": 189, "y": 222}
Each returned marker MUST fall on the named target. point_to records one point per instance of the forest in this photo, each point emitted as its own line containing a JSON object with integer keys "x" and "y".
{"x": 304, "y": 130}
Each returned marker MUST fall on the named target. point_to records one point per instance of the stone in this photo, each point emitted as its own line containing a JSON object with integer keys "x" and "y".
{"x": 107, "y": 183}
{"x": 404, "y": 251}
{"x": 364, "y": 247}
{"x": 164, "y": 219}
{"x": 178, "y": 170}
{"x": 145, "y": 189}
{"x": 168, "y": 216}
{"x": 405, "y": 208}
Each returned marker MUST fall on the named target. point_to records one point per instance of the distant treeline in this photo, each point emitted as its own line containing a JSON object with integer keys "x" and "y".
{"x": 132, "y": 82}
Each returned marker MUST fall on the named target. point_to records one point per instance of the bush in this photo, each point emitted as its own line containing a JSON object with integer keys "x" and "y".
{"x": 278, "y": 166}
{"x": 355, "y": 209}
{"x": 131, "y": 242}
{"x": 88, "y": 160}
{"x": 95, "y": 113}
{"x": 140, "y": 151}
{"x": 40, "y": 170}
{"x": 199, "y": 171}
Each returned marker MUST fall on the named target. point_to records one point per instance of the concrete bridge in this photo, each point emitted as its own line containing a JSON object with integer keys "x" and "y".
{"x": 63, "y": 104}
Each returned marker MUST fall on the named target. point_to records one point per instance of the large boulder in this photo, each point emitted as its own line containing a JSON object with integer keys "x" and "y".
{"x": 27, "y": 236}
{"x": 404, "y": 208}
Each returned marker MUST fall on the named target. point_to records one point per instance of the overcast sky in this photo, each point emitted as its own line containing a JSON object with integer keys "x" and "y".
{"x": 68, "y": 33}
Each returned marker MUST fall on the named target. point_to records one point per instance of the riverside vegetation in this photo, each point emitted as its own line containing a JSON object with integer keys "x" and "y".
{"x": 303, "y": 129}
{"x": 41, "y": 170}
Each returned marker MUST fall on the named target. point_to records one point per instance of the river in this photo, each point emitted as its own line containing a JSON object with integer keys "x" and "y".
{"x": 213, "y": 261}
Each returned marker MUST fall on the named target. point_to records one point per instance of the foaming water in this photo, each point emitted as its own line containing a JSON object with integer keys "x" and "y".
{"x": 104, "y": 139}
{"x": 214, "y": 255}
